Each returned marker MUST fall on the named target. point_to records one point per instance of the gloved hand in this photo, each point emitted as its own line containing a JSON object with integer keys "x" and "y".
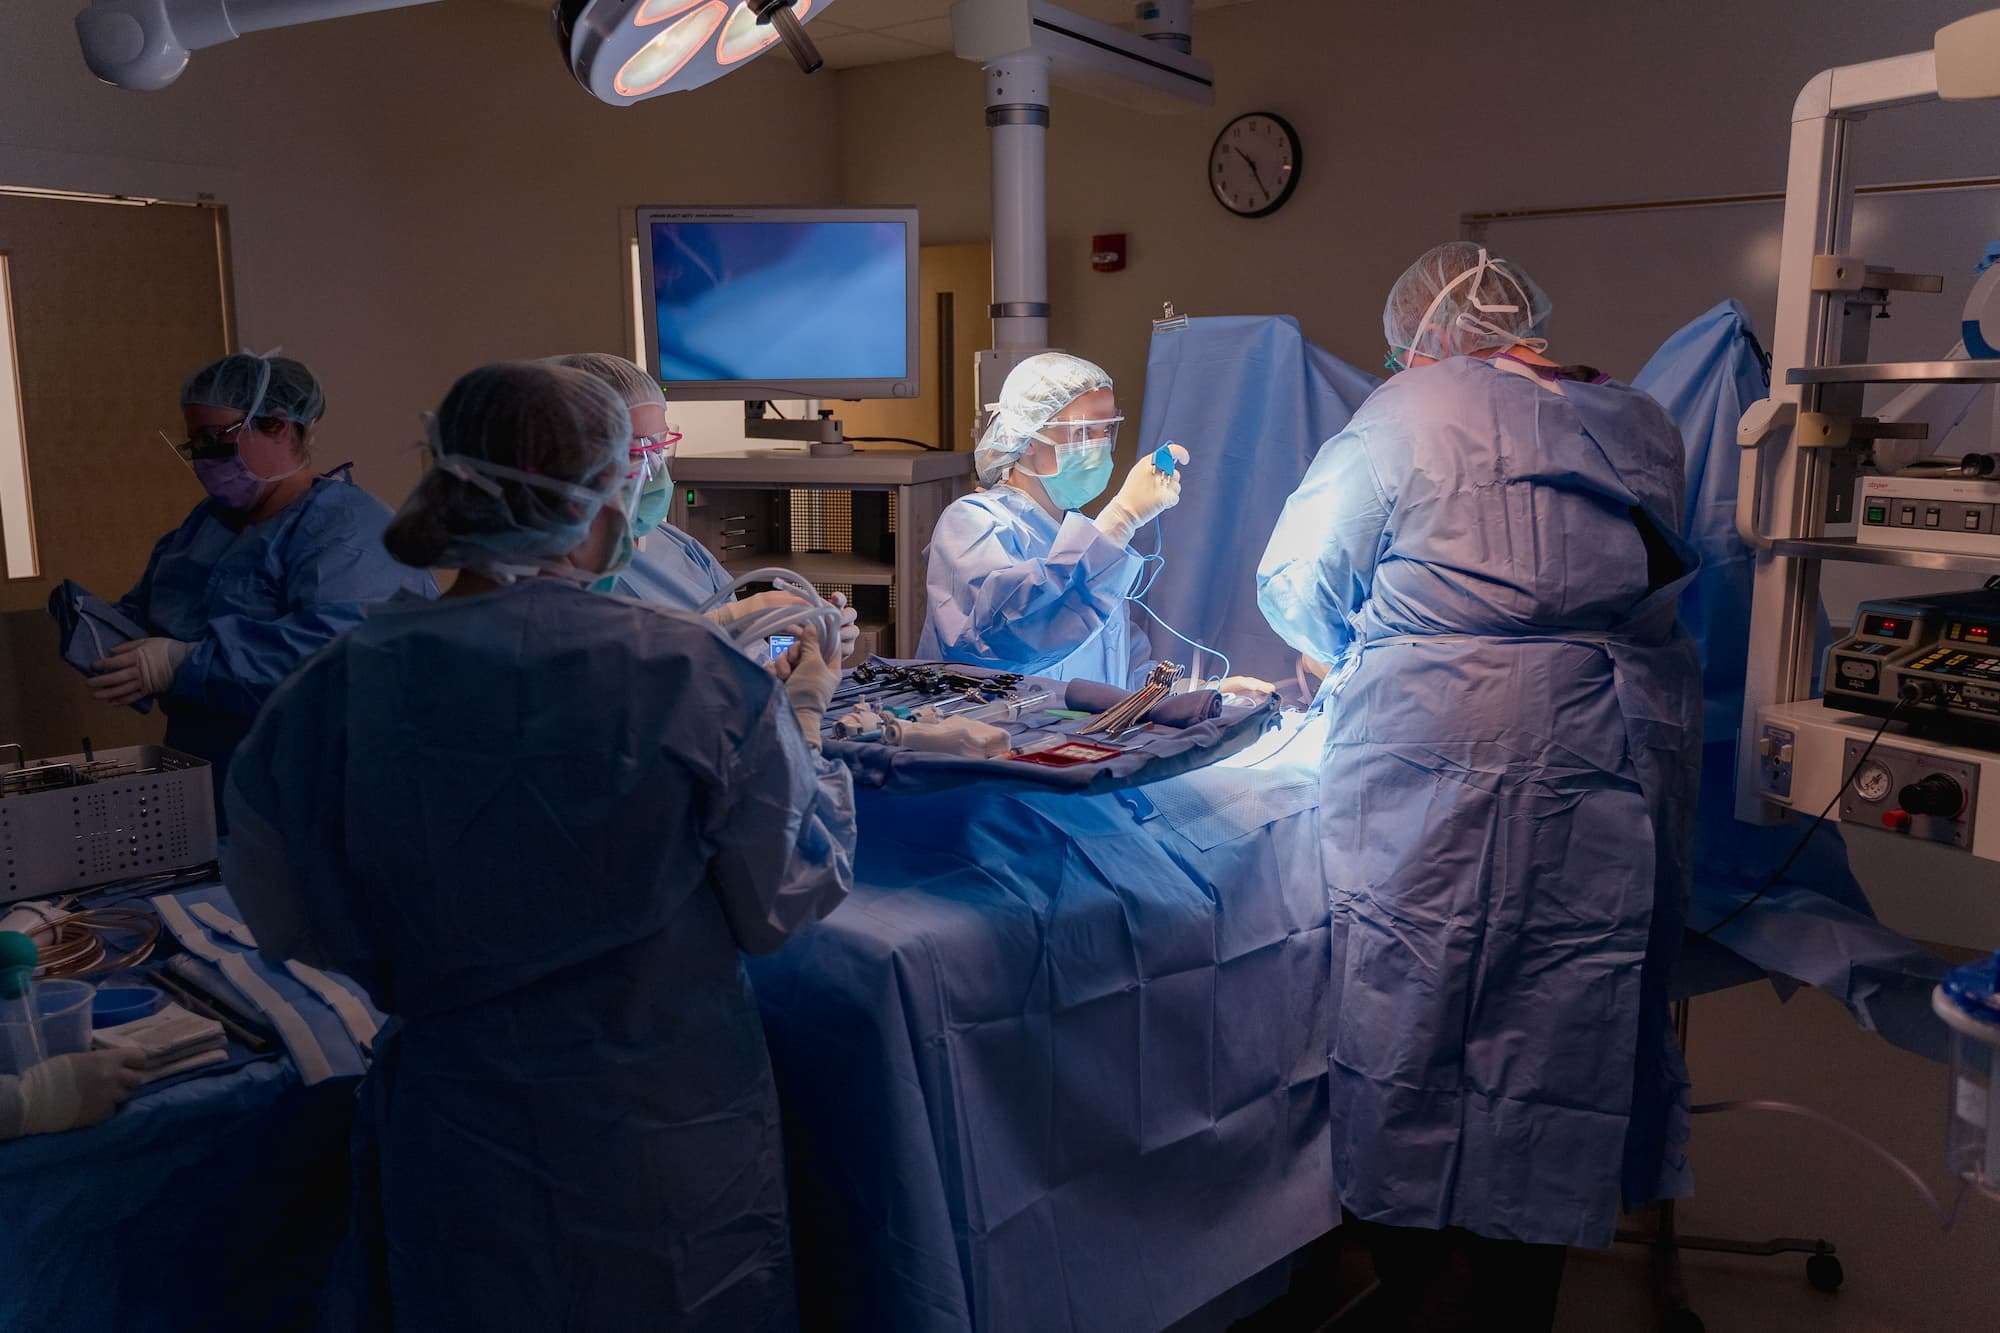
{"x": 809, "y": 682}
{"x": 850, "y": 628}
{"x": 1245, "y": 686}
{"x": 743, "y": 607}
{"x": 1146, "y": 494}
{"x": 71, "y": 1091}
{"x": 138, "y": 670}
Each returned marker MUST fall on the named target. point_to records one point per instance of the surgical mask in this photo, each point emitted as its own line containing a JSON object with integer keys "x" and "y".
{"x": 656, "y": 491}
{"x": 233, "y": 484}
{"x": 1082, "y": 472}
{"x": 621, "y": 560}
{"x": 1399, "y": 357}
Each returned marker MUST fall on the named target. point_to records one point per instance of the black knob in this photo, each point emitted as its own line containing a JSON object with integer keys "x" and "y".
{"x": 1934, "y": 795}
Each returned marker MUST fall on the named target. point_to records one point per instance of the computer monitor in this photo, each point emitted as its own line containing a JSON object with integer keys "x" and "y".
{"x": 780, "y": 303}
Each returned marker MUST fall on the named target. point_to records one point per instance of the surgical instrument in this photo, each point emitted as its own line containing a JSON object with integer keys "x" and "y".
{"x": 200, "y": 1003}
{"x": 811, "y": 609}
{"x": 1133, "y": 708}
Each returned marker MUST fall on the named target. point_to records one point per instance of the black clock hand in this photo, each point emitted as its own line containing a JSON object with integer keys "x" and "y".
{"x": 1251, "y": 162}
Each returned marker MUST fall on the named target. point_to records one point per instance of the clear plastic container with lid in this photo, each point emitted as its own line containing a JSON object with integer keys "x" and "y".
{"x": 1968, "y": 1000}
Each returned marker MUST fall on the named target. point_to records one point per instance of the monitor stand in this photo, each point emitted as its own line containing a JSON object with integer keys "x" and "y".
{"x": 822, "y": 436}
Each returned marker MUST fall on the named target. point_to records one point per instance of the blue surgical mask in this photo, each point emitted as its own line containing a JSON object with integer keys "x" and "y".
{"x": 1081, "y": 476}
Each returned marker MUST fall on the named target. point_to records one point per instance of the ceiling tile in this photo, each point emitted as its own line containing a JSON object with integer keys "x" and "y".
{"x": 874, "y": 15}
{"x": 934, "y": 33}
{"x": 848, "y": 50}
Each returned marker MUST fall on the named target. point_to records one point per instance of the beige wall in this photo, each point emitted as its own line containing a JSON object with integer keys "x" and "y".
{"x": 411, "y": 193}
{"x": 1410, "y": 115}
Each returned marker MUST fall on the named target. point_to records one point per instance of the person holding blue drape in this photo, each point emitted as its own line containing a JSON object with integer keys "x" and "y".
{"x": 274, "y": 565}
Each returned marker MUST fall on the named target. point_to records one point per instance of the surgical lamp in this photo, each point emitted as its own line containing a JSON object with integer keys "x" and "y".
{"x": 145, "y": 44}
{"x": 625, "y": 51}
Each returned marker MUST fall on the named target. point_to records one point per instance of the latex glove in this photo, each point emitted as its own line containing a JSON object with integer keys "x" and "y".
{"x": 809, "y": 682}
{"x": 1146, "y": 494}
{"x": 138, "y": 669}
{"x": 743, "y": 607}
{"x": 71, "y": 1091}
{"x": 1246, "y": 686}
{"x": 850, "y": 628}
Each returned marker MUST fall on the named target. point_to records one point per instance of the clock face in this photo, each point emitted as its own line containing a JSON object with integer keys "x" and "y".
{"x": 1254, "y": 166}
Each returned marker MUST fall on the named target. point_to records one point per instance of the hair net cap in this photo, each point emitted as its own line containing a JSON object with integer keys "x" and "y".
{"x": 634, "y": 385}
{"x": 1458, "y": 299}
{"x": 1035, "y": 391}
{"x": 526, "y": 454}
{"x": 258, "y": 386}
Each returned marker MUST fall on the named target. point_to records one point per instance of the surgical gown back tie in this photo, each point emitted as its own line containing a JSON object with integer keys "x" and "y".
{"x": 1506, "y": 796}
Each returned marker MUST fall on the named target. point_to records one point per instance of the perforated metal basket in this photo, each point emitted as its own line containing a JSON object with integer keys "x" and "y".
{"x": 76, "y": 821}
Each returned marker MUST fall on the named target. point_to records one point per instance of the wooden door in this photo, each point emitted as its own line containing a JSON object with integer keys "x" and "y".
{"x": 965, "y": 274}
{"x": 113, "y": 305}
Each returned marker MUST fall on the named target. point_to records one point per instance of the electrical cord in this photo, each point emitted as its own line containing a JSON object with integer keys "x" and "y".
{"x": 811, "y": 609}
{"x": 1155, "y": 564}
{"x": 1908, "y": 695}
{"x": 1947, "y": 1217}
{"x": 75, "y": 945}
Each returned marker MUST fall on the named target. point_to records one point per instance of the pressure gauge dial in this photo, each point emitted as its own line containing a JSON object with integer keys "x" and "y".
{"x": 1872, "y": 783}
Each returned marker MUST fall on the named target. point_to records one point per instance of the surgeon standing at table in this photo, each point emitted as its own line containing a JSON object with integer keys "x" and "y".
{"x": 670, "y": 568}
{"x": 538, "y": 823}
{"x": 265, "y": 572}
{"x": 1488, "y": 557}
{"x": 1018, "y": 579}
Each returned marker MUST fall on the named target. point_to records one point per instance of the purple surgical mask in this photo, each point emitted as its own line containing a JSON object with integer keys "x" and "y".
{"x": 232, "y": 482}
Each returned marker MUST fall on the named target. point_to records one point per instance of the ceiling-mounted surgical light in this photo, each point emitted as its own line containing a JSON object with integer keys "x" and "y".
{"x": 625, "y": 51}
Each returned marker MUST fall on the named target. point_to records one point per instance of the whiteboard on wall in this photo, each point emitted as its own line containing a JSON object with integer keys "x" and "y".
{"x": 1623, "y": 282}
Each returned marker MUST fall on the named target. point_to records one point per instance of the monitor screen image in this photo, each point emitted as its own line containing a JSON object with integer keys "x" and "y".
{"x": 782, "y": 301}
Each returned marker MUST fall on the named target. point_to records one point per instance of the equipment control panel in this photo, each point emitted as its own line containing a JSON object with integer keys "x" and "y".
{"x": 1912, "y": 792}
{"x": 1934, "y": 662}
{"x": 1929, "y": 513}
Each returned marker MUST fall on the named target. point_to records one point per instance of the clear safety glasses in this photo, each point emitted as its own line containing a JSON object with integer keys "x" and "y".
{"x": 1099, "y": 433}
{"x": 209, "y": 444}
{"x": 653, "y": 454}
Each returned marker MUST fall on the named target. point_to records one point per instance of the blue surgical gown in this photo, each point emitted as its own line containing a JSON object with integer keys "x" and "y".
{"x": 255, "y": 601}
{"x": 1012, "y": 588}
{"x": 1815, "y": 924}
{"x": 538, "y": 824}
{"x": 1506, "y": 795}
{"x": 673, "y": 570}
